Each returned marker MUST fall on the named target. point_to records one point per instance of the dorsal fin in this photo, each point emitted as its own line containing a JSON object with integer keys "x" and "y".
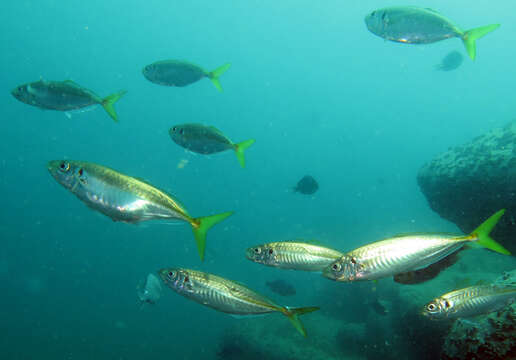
{"x": 432, "y": 10}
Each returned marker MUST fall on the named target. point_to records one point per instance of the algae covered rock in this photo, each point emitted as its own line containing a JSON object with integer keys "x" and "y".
{"x": 470, "y": 182}
{"x": 491, "y": 336}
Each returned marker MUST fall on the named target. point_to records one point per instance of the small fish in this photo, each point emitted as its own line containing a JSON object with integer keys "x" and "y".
{"x": 407, "y": 253}
{"x": 293, "y": 255}
{"x": 64, "y": 96}
{"x": 181, "y": 73}
{"x": 307, "y": 185}
{"x": 470, "y": 301}
{"x": 204, "y": 139}
{"x": 378, "y": 307}
{"x": 149, "y": 291}
{"x": 281, "y": 287}
{"x": 125, "y": 198}
{"x": 416, "y": 25}
{"x": 227, "y": 296}
{"x": 450, "y": 62}
{"x": 427, "y": 273}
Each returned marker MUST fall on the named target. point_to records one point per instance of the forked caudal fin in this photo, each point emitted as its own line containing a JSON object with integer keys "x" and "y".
{"x": 240, "y": 148}
{"x": 482, "y": 234}
{"x": 215, "y": 74}
{"x": 200, "y": 227}
{"x": 469, "y": 37}
{"x": 293, "y": 316}
{"x": 109, "y": 101}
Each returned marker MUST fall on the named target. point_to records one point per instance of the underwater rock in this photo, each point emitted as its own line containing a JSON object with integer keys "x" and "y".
{"x": 468, "y": 183}
{"x": 271, "y": 338}
{"x": 491, "y": 336}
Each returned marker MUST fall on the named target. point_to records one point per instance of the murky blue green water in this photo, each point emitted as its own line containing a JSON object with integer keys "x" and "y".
{"x": 320, "y": 94}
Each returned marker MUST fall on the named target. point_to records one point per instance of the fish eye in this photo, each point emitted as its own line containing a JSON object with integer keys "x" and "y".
{"x": 373, "y": 13}
{"x": 64, "y": 166}
{"x": 174, "y": 129}
{"x": 171, "y": 274}
{"x": 431, "y": 307}
{"x": 181, "y": 131}
{"x": 336, "y": 267}
{"x": 257, "y": 250}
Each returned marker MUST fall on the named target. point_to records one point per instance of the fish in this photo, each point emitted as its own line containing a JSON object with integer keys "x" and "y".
{"x": 417, "y": 25}
{"x": 307, "y": 185}
{"x": 64, "y": 96}
{"x": 378, "y": 307}
{"x": 127, "y": 199}
{"x": 181, "y": 73}
{"x": 450, "y": 62}
{"x": 429, "y": 272}
{"x": 149, "y": 291}
{"x": 293, "y": 255}
{"x": 204, "y": 139}
{"x": 281, "y": 287}
{"x": 407, "y": 253}
{"x": 227, "y": 296}
{"x": 470, "y": 301}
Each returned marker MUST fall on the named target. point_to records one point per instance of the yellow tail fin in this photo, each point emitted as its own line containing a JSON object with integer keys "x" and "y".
{"x": 482, "y": 234}
{"x": 201, "y": 226}
{"x": 109, "y": 101}
{"x": 215, "y": 74}
{"x": 240, "y": 148}
{"x": 293, "y": 313}
{"x": 469, "y": 38}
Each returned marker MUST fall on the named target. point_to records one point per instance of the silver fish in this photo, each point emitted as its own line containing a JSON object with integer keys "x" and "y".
{"x": 125, "y": 198}
{"x": 470, "y": 301}
{"x": 407, "y": 253}
{"x": 293, "y": 255}
{"x": 226, "y": 295}
{"x": 416, "y": 25}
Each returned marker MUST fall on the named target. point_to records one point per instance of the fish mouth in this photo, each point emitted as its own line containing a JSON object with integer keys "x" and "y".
{"x": 328, "y": 273}
{"x": 52, "y": 166}
{"x": 249, "y": 254}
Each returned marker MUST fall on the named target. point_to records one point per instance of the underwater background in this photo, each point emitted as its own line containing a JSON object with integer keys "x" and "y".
{"x": 320, "y": 94}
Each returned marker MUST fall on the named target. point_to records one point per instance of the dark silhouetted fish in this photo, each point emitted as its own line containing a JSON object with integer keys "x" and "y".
{"x": 417, "y": 25}
{"x": 307, "y": 185}
{"x": 378, "y": 307}
{"x": 428, "y": 273}
{"x": 181, "y": 73}
{"x": 450, "y": 62}
{"x": 281, "y": 287}
{"x": 204, "y": 139}
{"x": 64, "y": 96}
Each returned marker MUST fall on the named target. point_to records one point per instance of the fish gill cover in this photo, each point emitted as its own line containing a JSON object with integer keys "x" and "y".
{"x": 321, "y": 95}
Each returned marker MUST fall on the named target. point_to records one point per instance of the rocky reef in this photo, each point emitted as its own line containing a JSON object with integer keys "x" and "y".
{"x": 470, "y": 182}
{"x": 490, "y": 337}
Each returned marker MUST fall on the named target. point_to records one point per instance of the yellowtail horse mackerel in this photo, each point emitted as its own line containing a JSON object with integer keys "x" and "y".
{"x": 471, "y": 301}
{"x": 293, "y": 255}
{"x": 226, "y": 295}
{"x": 403, "y": 254}
{"x": 125, "y": 198}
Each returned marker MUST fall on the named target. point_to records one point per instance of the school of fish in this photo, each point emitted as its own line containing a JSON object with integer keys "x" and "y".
{"x": 407, "y": 259}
